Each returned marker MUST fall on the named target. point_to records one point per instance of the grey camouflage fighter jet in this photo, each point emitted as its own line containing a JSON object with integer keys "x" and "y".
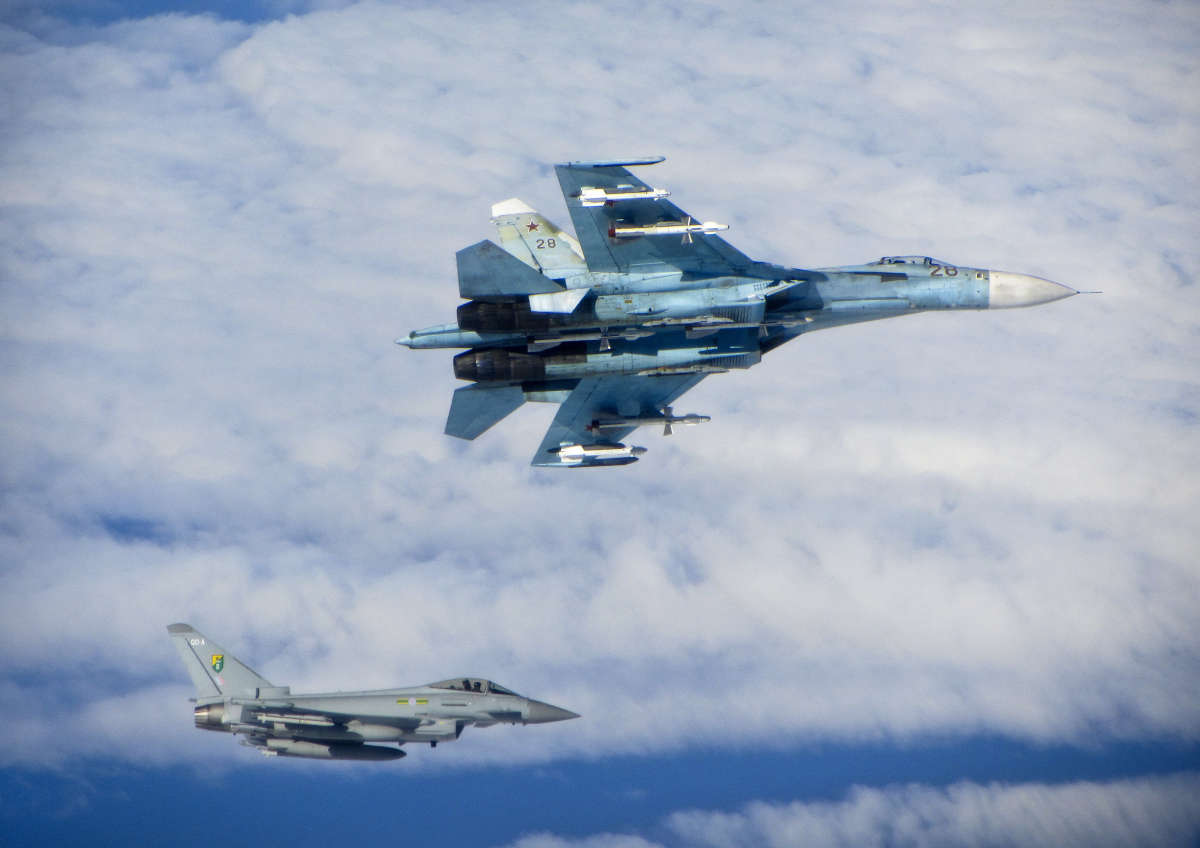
{"x": 232, "y": 698}
{"x": 618, "y": 323}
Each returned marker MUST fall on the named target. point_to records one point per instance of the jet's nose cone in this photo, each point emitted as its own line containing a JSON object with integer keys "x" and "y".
{"x": 407, "y": 341}
{"x": 539, "y": 713}
{"x": 1009, "y": 290}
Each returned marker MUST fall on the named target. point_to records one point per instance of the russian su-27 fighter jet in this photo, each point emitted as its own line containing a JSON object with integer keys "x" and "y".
{"x": 618, "y": 323}
{"x": 232, "y": 698}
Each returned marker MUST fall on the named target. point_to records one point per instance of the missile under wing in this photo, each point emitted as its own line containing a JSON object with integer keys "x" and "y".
{"x": 233, "y": 698}
{"x": 610, "y": 232}
{"x": 616, "y": 325}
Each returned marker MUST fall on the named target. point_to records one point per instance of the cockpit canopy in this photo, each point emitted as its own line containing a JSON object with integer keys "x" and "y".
{"x": 472, "y": 684}
{"x": 910, "y": 260}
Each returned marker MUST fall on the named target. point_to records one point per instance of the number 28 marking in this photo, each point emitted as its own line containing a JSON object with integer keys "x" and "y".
{"x": 950, "y": 270}
{"x": 542, "y": 244}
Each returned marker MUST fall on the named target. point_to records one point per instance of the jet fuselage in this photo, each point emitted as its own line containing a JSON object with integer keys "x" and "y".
{"x": 805, "y": 299}
{"x": 233, "y": 698}
{"x": 615, "y": 323}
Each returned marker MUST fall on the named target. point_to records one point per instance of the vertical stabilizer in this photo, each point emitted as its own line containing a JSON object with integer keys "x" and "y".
{"x": 539, "y": 243}
{"x": 213, "y": 671}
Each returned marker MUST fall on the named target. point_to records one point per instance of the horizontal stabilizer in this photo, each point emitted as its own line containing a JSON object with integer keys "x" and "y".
{"x": 487, "y": 270}
{"x": 476, "y": 408}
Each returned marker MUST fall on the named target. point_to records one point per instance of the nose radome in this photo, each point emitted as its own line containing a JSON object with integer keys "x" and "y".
{"x": 1009, "y": 290}
{"x": 539, "y": 713}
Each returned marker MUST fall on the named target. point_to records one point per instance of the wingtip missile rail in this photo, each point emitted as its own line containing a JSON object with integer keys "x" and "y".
{"x": 616, "y": 163}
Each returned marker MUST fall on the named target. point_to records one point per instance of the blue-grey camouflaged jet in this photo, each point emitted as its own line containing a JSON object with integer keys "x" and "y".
{"x": 232, "y": 698}
{"x": 617, "y": 324}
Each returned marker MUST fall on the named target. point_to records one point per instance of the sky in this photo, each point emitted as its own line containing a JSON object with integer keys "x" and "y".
{"x": 925, "y": 581}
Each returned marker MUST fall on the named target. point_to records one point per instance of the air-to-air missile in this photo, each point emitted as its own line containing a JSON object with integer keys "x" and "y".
{"x": 666, "y": 417}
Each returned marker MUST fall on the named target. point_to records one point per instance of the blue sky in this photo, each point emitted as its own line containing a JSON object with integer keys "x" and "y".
{"x": 572, "y": 799}
{"x": 931, "y": 579}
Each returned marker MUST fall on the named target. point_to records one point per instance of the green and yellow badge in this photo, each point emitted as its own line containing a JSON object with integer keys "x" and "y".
{"x": 218, "y": 662}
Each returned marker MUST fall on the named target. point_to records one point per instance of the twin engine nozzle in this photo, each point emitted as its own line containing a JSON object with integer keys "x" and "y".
{"x": 482, "y": 366}
{"x": 484, "y": 316}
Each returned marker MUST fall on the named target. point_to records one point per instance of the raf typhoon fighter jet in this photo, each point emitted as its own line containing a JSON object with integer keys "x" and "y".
{"x": 616, "y": 323}
{"x": 232, "y": 698}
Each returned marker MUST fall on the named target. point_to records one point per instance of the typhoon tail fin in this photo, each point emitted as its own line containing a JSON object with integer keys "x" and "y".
{"x": 539, "y": 243}
{"x": 213, "y": 671}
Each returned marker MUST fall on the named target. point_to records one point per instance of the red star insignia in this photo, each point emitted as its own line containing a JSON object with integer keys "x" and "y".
{"x": 532, "y": 225}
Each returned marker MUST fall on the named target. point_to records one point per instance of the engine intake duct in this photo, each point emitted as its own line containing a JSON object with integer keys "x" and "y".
{"x": 498, "y": 364}
{"x": 484, "y": 316}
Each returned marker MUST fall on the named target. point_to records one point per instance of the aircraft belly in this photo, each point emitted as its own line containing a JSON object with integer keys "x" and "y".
{"x": 828, "y": 318}
{"x": 384, "y": 707}
{"x": 375, "y": 732}
{"x": 733, "y": 304}
{"x": 668, "y": 360}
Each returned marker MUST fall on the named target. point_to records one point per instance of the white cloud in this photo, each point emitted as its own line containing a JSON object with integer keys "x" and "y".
{"x": 950, "y": 524}
{"x": 1148, "y": 811}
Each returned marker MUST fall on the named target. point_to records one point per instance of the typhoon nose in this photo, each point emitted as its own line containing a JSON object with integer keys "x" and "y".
{"x": 1009, "y": 290}
{"x": 539, "y": 713}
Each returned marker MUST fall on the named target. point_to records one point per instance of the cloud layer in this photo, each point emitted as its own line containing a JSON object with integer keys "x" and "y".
{"x": 1157, "y": 811}
{"x": 950, "y": 524}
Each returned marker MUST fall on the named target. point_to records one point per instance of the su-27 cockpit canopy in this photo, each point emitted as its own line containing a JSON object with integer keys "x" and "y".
{"x": 909, "y": 260}
{"x": 473, "y": 684}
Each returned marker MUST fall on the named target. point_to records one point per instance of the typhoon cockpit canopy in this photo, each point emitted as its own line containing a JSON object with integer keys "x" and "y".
{"x": 472, "y": 684}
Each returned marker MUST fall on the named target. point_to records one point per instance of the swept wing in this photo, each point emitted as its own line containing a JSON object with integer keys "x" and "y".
{"x": 598, "y": 398}
{"x": 593, "y": 193}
